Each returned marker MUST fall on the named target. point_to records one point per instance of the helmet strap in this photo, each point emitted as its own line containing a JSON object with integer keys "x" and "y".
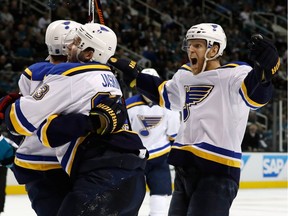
{"x": 208, "y": 59}
{"x": 77, "y": 56}
{"x": 205, "y": 60}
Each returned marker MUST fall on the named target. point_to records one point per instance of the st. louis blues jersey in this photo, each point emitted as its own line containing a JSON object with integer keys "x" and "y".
{"x": 67, "y": 88}
{"x": 215, "y": 105}
{"x": 31, "y": 154}
{"x": 157, "y": 127}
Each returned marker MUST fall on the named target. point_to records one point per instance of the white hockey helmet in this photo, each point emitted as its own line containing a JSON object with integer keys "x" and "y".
{"x": 99, "y": 37}
{"x": 55, "y": 35}
{"x": 150, "y": 71}
{"x": 210, "y": 32}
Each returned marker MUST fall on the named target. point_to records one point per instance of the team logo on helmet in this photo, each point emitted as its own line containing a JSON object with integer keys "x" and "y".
{"x": 214, "y": 27}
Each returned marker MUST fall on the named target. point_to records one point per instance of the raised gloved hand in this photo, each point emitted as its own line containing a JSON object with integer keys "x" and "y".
{"x": 128, "y": 67}
{"x": 108, "y": 116}
{"x": 6, "y": 101}
{"x": 265, "y": 57}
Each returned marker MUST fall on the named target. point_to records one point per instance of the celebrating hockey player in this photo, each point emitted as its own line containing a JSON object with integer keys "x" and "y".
{"x": 35, "y": 165}
{"x": 106, "y": 170}
{"x": 215, "y": 101}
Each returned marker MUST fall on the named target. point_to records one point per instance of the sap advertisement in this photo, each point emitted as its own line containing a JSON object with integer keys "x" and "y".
{"x": 264, "y": 170}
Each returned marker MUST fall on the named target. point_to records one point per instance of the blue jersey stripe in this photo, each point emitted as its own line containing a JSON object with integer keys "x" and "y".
{"x": 22, "y": 118}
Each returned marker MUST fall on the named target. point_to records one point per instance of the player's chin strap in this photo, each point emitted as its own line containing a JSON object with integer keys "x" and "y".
{"x": 208, "y": 59}
{"x": 77, "y": 54}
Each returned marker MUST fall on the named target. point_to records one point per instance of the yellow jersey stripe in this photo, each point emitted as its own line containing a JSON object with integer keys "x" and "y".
{"x": 251, "y": 102}
{"x": 73, "y": 153}
{"x": 210, "y": 156}
{"x": 17, "y": 126}
{"x": 72, "y": 70}
{"x": 161, "y": 90}
{"x": 135, "y": 104}
{"x": 37, "y": 166}
{"x": 158, "y": 154}
{"x": 44, "y": 138}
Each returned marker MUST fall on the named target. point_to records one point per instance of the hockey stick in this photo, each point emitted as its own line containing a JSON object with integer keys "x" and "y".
{"x": 91, "y": 13}
{"x": 101, "y": 20}
{"x": 99, "y": 11}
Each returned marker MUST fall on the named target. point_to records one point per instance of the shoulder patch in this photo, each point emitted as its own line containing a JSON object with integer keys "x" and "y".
{"x": 40, "y": 92}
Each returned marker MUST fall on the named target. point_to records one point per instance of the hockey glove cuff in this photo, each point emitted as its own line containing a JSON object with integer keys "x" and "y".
{"x": 128, "y": 67}
{"x": 108, "y": 116}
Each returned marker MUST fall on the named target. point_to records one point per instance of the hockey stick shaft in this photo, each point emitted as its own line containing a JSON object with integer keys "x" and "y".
{"x": 99, "y": 11}
{"x": 91, "y": 11}
{"x": 101, "y": 20}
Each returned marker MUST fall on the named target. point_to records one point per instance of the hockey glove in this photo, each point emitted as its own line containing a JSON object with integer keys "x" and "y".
{"x": 265, "y": 57}
{"x": 129, "y": 68}
{"x": 108, "y": 116}
{"x": 6, "y": 101}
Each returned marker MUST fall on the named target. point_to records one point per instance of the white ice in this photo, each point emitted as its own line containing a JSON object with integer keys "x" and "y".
{"x": 249, "y": 202}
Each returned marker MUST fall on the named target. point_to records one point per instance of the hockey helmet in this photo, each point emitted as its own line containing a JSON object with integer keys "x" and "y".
{"x": 55, "y": 34}
{"x": 99, "y": 37}
{"x": 208, "y": 31}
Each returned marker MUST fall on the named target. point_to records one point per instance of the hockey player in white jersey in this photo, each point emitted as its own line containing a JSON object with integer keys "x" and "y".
{"x": 157, "y": 127}
{"x": 35, "y": 165}
{"x": 107, "y": 172}
{"x": 215, "y": 101}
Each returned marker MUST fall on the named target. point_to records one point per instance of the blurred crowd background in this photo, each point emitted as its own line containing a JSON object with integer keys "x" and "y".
{"x": 151, "y": 32}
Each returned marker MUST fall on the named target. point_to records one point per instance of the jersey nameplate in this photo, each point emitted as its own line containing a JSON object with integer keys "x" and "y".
{"x": 110, "y": 81}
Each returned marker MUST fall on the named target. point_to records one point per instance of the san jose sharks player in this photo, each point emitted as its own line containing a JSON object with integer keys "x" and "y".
{"x": 7, "y": 153}
{"x": 106, "y": 166}
{"x": 215, "y": 101}
{"x": 157, "y": 127}
{"x": 35, "y": 165}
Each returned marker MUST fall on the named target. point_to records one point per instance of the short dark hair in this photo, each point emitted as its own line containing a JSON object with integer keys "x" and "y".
{"x": 62, "y": 58}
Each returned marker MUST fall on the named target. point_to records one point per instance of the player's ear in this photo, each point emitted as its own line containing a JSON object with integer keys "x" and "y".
{"x": 214, "y": 50}
{"x": 88, "y": 53}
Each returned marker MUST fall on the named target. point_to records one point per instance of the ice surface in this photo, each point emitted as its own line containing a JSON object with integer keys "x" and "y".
{"x": 249, "y": 202}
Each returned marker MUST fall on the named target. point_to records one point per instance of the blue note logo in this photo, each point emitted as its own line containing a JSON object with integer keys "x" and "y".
{"x": 195, "y": 95}
{"x": 273, "y": 165}
{"x": 148, "y": 122}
